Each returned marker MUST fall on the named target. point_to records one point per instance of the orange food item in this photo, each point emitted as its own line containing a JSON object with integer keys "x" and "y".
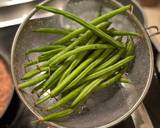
{"x": 6, "y": 87}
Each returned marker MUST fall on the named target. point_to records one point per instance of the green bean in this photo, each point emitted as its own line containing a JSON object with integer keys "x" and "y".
{"x": 111, "y": 61}
{"x": 109, "y": 82}
{"x": 62, "y": 85}
{"x": 76, "y": 61}
{"x": 87, "y": 90}
{"x": 84, "y": 38}
{"x": 52, "y": 85}
{"x": 30, "y": 63}
{"x": 111, "y": 68}
{"x": 57, "y": 115}
{"x": 67, "y": 98}
{"x": 80, "y": 49}
{"x": 33, "y": 81}
{"x": 34, "y": 72}
{"x": 61, "y": 31}
{"x": 130, "y": 48}
{"x": 96, "y": 21}
{"x": 44, "y": 48}
{"x": 91, "y": 27}
{"x": 88, "y": 69}
{"x": 52, "y": 51}
{"x": 44, "y": 57}
{"x": 58, "y": 72}
{"x": 121, "y": 33}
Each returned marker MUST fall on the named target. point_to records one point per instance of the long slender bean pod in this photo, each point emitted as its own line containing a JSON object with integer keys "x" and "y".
{"x": 109, "y": 82}
{"x": 33, "y": 81}
{"x": 61, "y": 31}
{"x": 81, "y": 49}
{"x": 34, "y": 72}
{"x": 58, "y": 115}
{"x": 44, "y": 48}
{"x": 121, "y": 33}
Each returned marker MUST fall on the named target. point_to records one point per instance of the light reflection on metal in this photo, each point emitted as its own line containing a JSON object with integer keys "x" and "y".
{"x": 5, "y": 3}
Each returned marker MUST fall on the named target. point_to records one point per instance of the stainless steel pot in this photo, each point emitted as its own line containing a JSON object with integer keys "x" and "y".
{"x": 108, "y": 107}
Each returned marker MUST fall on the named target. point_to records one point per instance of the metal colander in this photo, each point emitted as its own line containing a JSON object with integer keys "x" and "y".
{"x": 107, "y": 107}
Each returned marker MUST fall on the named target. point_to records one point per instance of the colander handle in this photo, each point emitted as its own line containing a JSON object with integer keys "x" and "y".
{"x": 155, "y": 28}
{"x": 141, "y": 118}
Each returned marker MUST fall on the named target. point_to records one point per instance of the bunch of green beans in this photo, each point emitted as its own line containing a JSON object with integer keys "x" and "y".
{"x": 81, "y": 62}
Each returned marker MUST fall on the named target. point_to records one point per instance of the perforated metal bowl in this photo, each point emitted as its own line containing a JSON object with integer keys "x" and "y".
{"x": 107, "y": 107}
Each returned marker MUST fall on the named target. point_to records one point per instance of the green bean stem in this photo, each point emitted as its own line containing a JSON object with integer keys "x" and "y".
{"x": 109, "y": 82}
{"x": 130, "y": 48}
